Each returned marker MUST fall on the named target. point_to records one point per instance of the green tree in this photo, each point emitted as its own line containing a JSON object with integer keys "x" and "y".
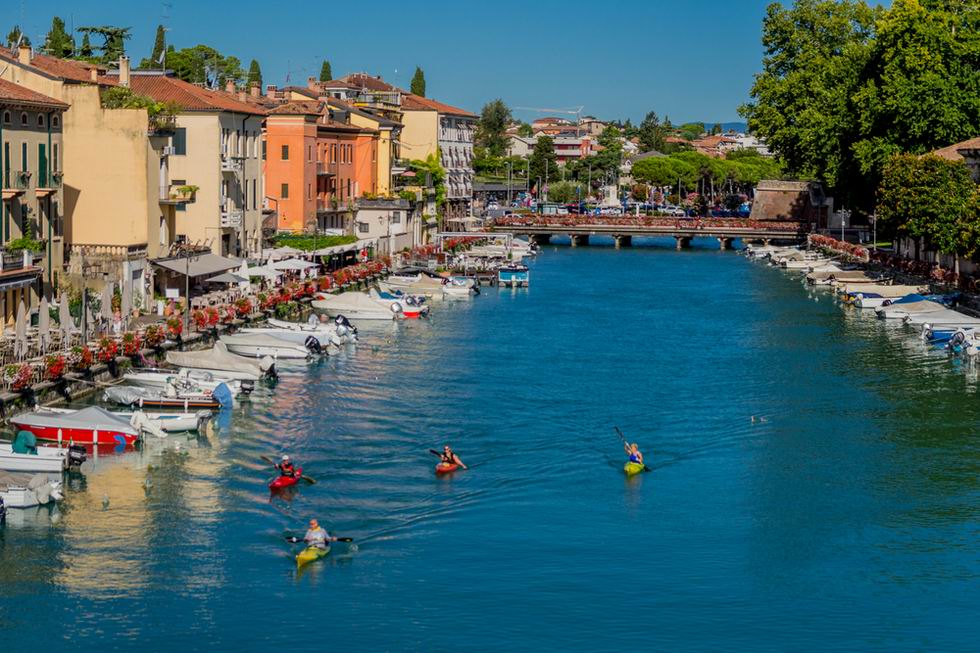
{"x": 931, "y": 198}
{"x": 651, "y": 133}
{"x": 254, "y": 74}
{"x": 58, "y": 42}
{"x": 564, "y": 192}
{"x": 491, "y": 131}
{"x": 691, "y": 130}
{"x": 543, "y": 161}
{"x": 85, "y": 49}
{"x": 156, "y": 56}
{"x": 326, "y": 74}
{"x": 418, "y": 82}
{"x": 524, "y": 130}
{"x": 114, "y": 41}
{"x": 15, "y": 36}
{"x": 716, "y": 129}
{"x": 202, "y": 64}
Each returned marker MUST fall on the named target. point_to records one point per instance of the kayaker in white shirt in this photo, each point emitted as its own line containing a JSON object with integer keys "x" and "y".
{"x": 317, "y": 537}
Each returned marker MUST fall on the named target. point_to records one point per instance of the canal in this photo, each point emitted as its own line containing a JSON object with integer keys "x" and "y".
{"x": 844, "y": 516}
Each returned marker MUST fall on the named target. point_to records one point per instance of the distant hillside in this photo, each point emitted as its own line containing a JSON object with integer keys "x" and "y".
{"x": 726, "y": 126}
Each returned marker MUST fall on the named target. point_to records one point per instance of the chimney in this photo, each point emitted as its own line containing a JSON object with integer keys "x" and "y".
{"x": 230, "y": 86}
{"x": 253, "y": 89}
{"x": 270, "y": 90}
{"x": 24, "y": 55}
{"x": 313, "y": 83}
{"x": 93, "y": 74}
{"x": 124, "y": 71}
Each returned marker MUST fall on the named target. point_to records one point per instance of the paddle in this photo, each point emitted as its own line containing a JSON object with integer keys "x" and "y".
{"x": 294, "y": 540}
{"x": 311, "y": 481}
{"x": 623, "y": 438}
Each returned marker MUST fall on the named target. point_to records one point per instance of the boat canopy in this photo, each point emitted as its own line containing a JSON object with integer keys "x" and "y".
{"x": 92, "y": 418}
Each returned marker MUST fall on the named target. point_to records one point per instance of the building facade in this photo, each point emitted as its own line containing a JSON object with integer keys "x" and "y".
{"x": 31, "y": 151}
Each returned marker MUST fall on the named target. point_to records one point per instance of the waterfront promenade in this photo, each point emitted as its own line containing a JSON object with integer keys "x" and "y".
{"x": 622, "y": 229}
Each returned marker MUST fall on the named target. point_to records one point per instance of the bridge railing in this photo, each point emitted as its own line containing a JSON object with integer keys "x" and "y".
{"x": 641, "y": 222}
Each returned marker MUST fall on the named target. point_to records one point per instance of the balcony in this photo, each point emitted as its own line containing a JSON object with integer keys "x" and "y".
{"x": 161, "y": 125}
{"x": 231, "y": 218}
{"x": 49, "y": 184}
{"x": 15, "y": 182}
{"x": 17, "y": 260}
{"x": 323, "y": 169}
{"x": 186, "y": 194}
{"x": 231, "y": 163}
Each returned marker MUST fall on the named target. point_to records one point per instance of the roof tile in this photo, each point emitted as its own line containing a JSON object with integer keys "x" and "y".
{"x": 15, "y": 93}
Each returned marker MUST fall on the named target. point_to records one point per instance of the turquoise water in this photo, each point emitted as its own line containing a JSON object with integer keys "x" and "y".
{"x": 846, "y": 520}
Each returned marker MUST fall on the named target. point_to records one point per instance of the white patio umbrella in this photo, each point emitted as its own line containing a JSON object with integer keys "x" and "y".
{"x": 105, "y": 313}
{"x": 44, "y": 324}
{"x": 126, "y": 307}
{"x": 20, "y": 329}
{"x": 64, "y": 318}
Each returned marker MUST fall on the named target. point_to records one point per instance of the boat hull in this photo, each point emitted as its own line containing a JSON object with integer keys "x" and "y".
{"x": 78, "y": 435}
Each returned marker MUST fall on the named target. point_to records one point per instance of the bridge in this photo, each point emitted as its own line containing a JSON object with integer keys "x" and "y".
{"x": 579, "y": 229}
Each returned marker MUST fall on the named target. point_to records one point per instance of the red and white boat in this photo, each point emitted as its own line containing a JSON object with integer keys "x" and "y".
{"x": 92, "y": 425}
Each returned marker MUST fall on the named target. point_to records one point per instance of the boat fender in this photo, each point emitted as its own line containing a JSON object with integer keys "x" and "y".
{"x": 266, "y": 363}
{"x": 222, "y": 394}
{"x": 396, "y": 307}
{"x": 313, "y": 345}
{"x": 957, "y": 339}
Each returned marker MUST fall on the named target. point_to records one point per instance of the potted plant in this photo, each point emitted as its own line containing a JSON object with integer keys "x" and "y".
{"x": 175, "y": 327}
{"x": 54, "y": 367}
{"x": 18, "y": 376}
{"x": 154, "y": 336}
{"x": 132, "y": 344}
{"x": 185, "y": 193}
{"x": 108, "y": 350}
{"x": 243, "y": 307}
{"x": 80, "y": 358}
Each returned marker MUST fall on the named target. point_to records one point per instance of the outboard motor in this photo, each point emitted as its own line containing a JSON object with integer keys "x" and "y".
{"x": 313, "y": 346}
{"x": 76, "y": 456}
{"x": 268, "y": 365}
{"x": 222, "y": 394}
{"x": 956, "y": 341}
{"x": 3, "y": 512}
{"x": 247, "y": 386}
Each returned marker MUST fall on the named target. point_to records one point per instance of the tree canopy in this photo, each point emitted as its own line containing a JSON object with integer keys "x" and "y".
{"x": 651, "y": 133}
{"x": 113, "y": 41}
{"x": 418, "y": 82}
{"x": 204, "y": 65}
{"x": 156, "y": 56}
{"x": 543, "y": 162}
{"x": 254, "y": 74}
{"x": 58, "y": 42}
{"x": 491, "y": 131}
{"x": 326, "y": 74}
{"x": 15, "y": 36}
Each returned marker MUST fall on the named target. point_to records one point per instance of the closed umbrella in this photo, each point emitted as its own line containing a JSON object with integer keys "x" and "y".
{"x": 126, "y": 307}
{"x": 20, "y": 329}
{"x": 44, "y": 324}
{"x": 106, "y": 311}
{"x": 64, "y": 318}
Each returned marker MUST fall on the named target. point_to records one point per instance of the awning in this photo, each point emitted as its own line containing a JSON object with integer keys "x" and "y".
{"x": 262, "y": 271}
{"x": 350, "y": 247}
{"x": 280, "y": 253}
{"x": 292, "y": 264}
{"x": 17, "y": 284}
{"x": 227, "y": 277}
{"x": 199, "y": 264}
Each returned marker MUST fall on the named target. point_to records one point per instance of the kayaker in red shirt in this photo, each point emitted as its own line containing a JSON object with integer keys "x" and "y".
{"x": 449, "y": 457}
{"x": 286, "y": 468}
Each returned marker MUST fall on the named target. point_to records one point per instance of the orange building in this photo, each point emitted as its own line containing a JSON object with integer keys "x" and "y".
{"x": 316, "y": 165}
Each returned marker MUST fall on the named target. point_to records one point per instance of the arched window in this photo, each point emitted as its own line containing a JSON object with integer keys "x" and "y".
{"x": 6, "y": 117}
{"x": 23, "y": 119}
{"x": 55, "y": 121}
{"x": 40, "y": 120}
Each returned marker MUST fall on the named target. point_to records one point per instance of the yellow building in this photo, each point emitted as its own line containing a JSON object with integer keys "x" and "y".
{"x": 118, "y": 205}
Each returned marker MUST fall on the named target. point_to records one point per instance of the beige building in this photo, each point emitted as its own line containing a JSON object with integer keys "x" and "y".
{"x": 217, "y": 147}
{"x": 118, "y": 204}
{"x": 30, "y": 167}
{"x": 389, "y": 222}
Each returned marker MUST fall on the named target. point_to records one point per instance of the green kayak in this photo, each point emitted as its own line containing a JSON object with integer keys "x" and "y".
{"x": 310, "y": 554}
{"x": 633, "y": 468}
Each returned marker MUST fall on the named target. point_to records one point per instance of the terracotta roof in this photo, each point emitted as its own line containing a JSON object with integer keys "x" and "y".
{"x": 416, "y": 103}
{"x": 346, "y": 106}
{"x": 190, "y": 97}
{"x": 302, "y": 90}
{"x": 16, "y": 94}
{"x": 65, "y": 69}
{"x": 952, "y": 152}
{"x": 339, "y": 83}
{"x": 299, "y": 108}
{"x": 363, "y": 80}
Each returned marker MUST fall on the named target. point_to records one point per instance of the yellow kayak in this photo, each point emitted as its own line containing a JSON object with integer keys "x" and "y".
{"x": 632, "y": 468}
{"x": 310, "y": 554}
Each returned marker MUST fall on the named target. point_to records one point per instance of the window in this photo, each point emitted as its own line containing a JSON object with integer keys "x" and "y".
{"x": 363, "y": 227}
{"x": 6, "y": 117}
{"x": 23, "y": 120}
{"x": 285, "y": 153}
{"x": 264, "y": 144}
{"x": 40, "y": 120}
{"x": 42, "y": 166}
{"x": 309, "y": 154}
{"x": 55, "y": 121}
{"x": 396, "y": 217}
{"x": 333, "y": 154}
{"x": 180, "y": 141}
{"x": 348, "y": 188}
{"x": 254, "y": 205}
{"x": 55, "y": 151}
{"x": 309, "y": 191}
{"x": 284, "y": 192}
{"x": 23, "y": 157}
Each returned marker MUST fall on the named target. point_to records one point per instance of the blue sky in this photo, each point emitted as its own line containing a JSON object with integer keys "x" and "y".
{"x": 690, "y": 59}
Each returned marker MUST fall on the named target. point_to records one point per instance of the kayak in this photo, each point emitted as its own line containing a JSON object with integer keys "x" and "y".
{"x": 286, "y": 481}
{"x": 311, "y": 554}
{"x": 633, "y": 468}
{"x": 446, "y": 468}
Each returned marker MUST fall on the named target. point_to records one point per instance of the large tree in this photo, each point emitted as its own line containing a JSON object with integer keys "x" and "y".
{"x": 15, "y": 36}
{"x": 326, "y": 74}
{"x": 85, "y": 49}
{"x": 204, "y": 65}
{"x": 58, "y": 42}
{"x": 418, "y": 82}
{"x": 114, "y": 41}
{"x": 254, "y": 74}
{"x": 491, "y": 132}
{"x": 651, "y": 133}
{"x": 156, "y": 56}
{"x": 543, "y": 162}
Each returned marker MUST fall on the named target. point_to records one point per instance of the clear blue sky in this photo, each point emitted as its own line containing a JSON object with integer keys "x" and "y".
{"x": 690, "y": 59}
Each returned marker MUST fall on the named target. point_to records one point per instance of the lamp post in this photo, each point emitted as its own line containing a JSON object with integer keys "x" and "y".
{"x": 187, "y": 287}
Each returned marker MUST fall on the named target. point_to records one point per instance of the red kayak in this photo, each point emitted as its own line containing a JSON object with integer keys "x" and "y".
{"x": 446, "y": 468}
{"x": 286, "y": 481}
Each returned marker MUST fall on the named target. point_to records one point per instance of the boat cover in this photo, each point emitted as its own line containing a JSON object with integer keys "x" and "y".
{"x": 219, "y": 358}
{"x": 356, "y": 301}
{"x": 92, "y": 418}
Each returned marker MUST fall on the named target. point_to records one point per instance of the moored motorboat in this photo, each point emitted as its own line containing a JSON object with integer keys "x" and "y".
{"x": 260, "y": 345}
{"x": 412, "y": 306}
{"x": 134, "y": 396}
{"x": 185, "y": 379}
{"x": 514, "y": 276}
{"x": 92, "y": 425}
{"x": 45, "y": 460}
{"x": 221, "y": 362}
{"x": 356, "y": 306}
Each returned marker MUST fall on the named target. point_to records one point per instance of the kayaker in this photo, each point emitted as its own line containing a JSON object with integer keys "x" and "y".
{"x": 317, "y": 537}
{"x": 449, "y": 457}
{"x": 633, "y": 450}
{"x": 286, "y": 467}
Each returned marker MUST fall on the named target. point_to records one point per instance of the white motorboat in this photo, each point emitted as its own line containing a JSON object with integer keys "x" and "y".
{"x": 340, "y": 327}
{"x": 412, "y": 306}
{"x": 260, "y": 345}
{"x": 47, "y": 460}
{"x": 944, "y": 317}
{"x": 901, "y": 310}
{"x": 356, "y": 306}
{"x": 221, "y": 362}
{"x": 39, "y": 490}
{"x": 184, "y": 379}
{"x": 325, "y": 335}
{"x": 155, "y": 423}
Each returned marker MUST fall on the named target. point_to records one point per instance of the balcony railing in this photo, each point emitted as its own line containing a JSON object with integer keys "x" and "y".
{"x": 183, "y": 194}
{"x": 230, "y": 163}
{"x": 16, "y": 180}
{"x": 17, "y": 260}
{"x": 161, "y": 124}
{"x": 323, "y": 169}
{"x": 231, "y": 218}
